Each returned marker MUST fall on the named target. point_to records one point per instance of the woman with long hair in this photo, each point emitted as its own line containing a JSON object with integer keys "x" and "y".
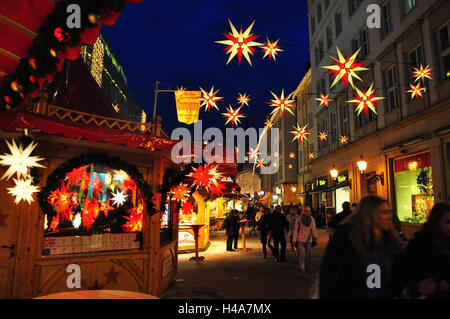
{"x": 423, "y": 270}
{"x": 358, "y": 261}
{"x": 305, "y": 233}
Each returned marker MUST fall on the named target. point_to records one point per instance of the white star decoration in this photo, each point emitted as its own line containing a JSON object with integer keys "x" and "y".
{"x": 119, "y": 198}
{"x": 23, "y": 190}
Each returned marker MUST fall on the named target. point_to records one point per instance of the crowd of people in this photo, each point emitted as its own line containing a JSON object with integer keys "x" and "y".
{"x": 367, "y": 255}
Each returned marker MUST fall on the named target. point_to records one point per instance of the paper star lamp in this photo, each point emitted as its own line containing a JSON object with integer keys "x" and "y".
{"x": 205, "y": 176}
{"x": 300, "y": 134}
{"x": 187, "y": 208}
{"x": 343, "y": 140}
{"x": 180, "y": 193}
{"x": 271, "y": 49}
{"x": 259, "y": 163}
{"x": 254, "y": 154}
{"x": 240, "y": 43}
{"x": 96, "y": 185}
{"x": 217, "y": 189}
{"x": 88, "y": 214}
{"x": 366, "y": 101}
{"x": 76, "y": 175}
{"x": 292, "y": 155}
{"x": 324, "y": 100}
{"x": 210, "y": 99}
{"x": 19, "y": 160}
{"x": 119, "y": 198}
{"x": 282, "y": 104}
{"x": 323, "y": 136}
{"x": 422, "y": 73}
{"x": 135, "y": 221}
{"x": 105, "y": 207}
{"x": 54, "y": 223}
{"x": 23, "y": 190}
{"x": 120, "y": 175}
{"x": 64, "y": 202}
{"x": 416, "y": 91}
{"x": 180, "y": 91}
{"x": 233, "y": 116}
{"x": 243, "y": 99}
{"x": 116, "y": 108}
{"x": 268, "y": 124}
{"x": 311, "y": 155}
{"x": 345, "y": 69}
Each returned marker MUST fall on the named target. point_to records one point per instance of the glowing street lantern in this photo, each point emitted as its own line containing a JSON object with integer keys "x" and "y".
{"x": 188, "y": 105}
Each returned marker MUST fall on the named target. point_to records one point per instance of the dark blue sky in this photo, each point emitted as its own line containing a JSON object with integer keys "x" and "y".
{"x": 172, "y": 41}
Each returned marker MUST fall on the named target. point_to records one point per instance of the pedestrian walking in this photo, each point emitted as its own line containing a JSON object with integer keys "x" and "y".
{"x": 292, "y": 219}
{"x": 423, "y": 269}
{"x": 278, "y": 227}
{"x": 338, "y": 218}
{"x": 305, "y": 235}
{"x": 228, "y": 225}
{"x": 365, "y": 239}
{"x": 237, "y": 227}
{"x": 263, "y": 227}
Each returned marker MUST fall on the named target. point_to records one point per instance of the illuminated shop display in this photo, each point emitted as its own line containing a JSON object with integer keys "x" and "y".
{"x": 414, "y": 188}
{"x": 95, "y": 208}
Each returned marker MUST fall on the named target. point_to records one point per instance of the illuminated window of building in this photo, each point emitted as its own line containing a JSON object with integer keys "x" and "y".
{"x": 413, "y": 188}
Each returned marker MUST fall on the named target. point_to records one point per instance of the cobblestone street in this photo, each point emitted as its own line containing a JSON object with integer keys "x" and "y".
{"x": 242, "y": 275}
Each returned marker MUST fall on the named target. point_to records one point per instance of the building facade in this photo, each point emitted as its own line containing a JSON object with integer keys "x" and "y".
{"x": 407, "y": 143}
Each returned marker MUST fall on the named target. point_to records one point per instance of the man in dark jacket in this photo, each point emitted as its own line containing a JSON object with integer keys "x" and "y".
{"x": 338, "y": 218}
{"x": 237, "y": 227}
{"x": 278, "y": 227}
{"x": 229, "y": 226}
{"x": 263, "y": 227}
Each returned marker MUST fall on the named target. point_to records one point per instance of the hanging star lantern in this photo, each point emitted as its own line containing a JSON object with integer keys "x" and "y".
{"x": 311, "y": 155}
{"x": 259, "y": 163}
{"x": 187, "y": 208}
{"x": 240, "y": 44}
{"x": 324, "y": 100}
{"x": 23, "y": 190}
{"x": 422, "y": 73}
{"x": 116, "y": 107}
{"x": 268, "y": 124}
{"x": 205, "y": 175}
{"x": 54, "y": 223}
{"x": 366, "y": 101}
{"x": 180, "y": 193}
{"x": 210, "y": 99}
{"x": 271, "y": 49}
{"x": 217, "y": 189}
{"x": 345, "y": 70}
{"x": 233, "y": 116}
{"x": 96, "y": 185}
{"x": 254, "y": 154}
{"x": 323, "y": 136}
{"x": 343, "y": 140}
{"x": 64, "y": 202}
{"x": 300, "y": 134}
{"x": 19, "y": 160}
{"x": 105, "y": 207}
{"x": 88, "y": 214}
{"x": 292, "y": 155}
{"x": 180, "y": 91}
{"x": 416, "y": 91}
{"x": 243, "y": 99}
{"x": 282, "y": 104}
{"x": 135, "y": 221}
{"x": 246, "y": 159}
{"x": 76, "y": 175}
{"x": 119, "y": 198}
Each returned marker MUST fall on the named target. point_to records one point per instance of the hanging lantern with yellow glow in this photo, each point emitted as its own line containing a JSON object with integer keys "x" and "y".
{"x": 188, "y": 105}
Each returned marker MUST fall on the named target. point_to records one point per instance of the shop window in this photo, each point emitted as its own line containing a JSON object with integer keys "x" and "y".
{"x": 414, "y": 188}
{"x": 444, "y": 39}
{"x": 96, "y": 208}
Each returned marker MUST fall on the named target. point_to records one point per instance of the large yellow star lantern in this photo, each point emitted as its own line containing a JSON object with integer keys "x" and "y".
{"x": 23, "y": 190}
{"x": 240, "y": 43}
{"x": 300, "y": 133}
{"x": 271, "y": 49}
{"x": 243, "y": 99}
{"x": 416, "y": 91}
{"x": 422, "y": 73}
{"x": 282, "y": 103}
{"x": 345, "y": 69}
{"x": 210, "y": 99}
{"x": 366, "y": 101}
{"x": 233, "y": 116}
{"x": 324, "y": 100}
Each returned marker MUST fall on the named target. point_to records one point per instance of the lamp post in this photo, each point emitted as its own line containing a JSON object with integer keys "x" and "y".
{"x": 362, "y": 165}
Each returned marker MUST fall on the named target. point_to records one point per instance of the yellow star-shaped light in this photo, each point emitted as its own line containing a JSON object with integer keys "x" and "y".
{"x": 116, "y": 107}
{"x": 240, "y": 44}
{"x": 259, "y": 163}
{"x": 210, "y": 99}
{"x": 282, "y": 103}
{"x": 271, "y": 49}
{"x": 300, "y": 134}
{"x": 23, "y": 190}
{"x": 268, "y": 124}
{"x": 343, "y": 139}
{"x": 416, "y": 91}
{"x": 19, "y": 160}
{"x": 324, "y": 100}
{"x": 366, "y": 101}
{"x": 422, "y": 73}
{"x": 345, "y": 69}
{"x": 292, "y": 155}
{"x": 233, "y": 116}
{"x": 323, "y": 136}
{"x": 311, "y": 155}
{"x": 180, "y": 91}
{"x": 243, "y": 99}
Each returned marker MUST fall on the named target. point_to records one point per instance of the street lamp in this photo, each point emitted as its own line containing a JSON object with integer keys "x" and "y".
{"x": 334, "y": 172}
{"x": 294, "y": 189}
{"x": 362, "y": 165}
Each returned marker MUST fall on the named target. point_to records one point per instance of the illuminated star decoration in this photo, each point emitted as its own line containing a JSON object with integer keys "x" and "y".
{"x": 292, "y": 155}
{"x": 216, "y": 189}
{"x": 135, "y": 221}
{"x": 271, "y": 49}
{"x": 76, "y": 175}
{"x": 282, "y": 104}
{"x": 180, "y": 193}
{"x": 422, "y": 73}
{"x": 254, "y": 154}
{"x": 268, "y": 124}
{"x": 116, "y": 108}
{"x": 243, "y": 99}
{"x": 23, "y": 190}
{"x": 300, "y": 134}
{"x": 119, "y": 198}
{"x": 324, "y": 100}
{"x": 343, "y": 140}
{"x": 311, "y": 155}
{"x": 19, "y": 160}
{"x": 323, "y": 136}
{"x": 366, "y": 100}
{"x": 105, "y": 207}
{"x": 345, "y": 70}
{"x": 205, "y": 176}
{"x": 240, "y": 44}
{"x": 210, "y": 99}
{"x": 187, "y": 208}
{"x": 259, "y": 163}
{"x": 416, "y": 91}
{"x": 180, "y": 91}
{"x": 233, "y": 116}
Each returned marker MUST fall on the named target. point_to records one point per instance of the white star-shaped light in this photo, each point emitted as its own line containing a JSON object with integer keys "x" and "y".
{"x": 19, "y": 160}
{"x": 119, "y": 198}
{"x": 23, "y": 190}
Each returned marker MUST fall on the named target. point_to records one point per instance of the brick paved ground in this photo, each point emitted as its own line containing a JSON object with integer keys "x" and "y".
{"x": 240, "y": 275}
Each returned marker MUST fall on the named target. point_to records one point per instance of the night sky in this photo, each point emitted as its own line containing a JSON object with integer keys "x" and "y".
{"x": 172, "y": 41}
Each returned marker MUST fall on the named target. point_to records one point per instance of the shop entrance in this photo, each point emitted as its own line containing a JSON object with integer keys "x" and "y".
{"x": 342, "y": 195}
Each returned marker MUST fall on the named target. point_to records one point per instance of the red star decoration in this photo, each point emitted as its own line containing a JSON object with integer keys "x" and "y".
{"x": 77, "y": 174}
{"x": 187, "y": 208}
{"x": 96, "y": 186}
{"x": 343, "y": 139}
{"x": 180, "y": 192}
{"x": 311, "y": 155}
{"x": 90, "y": 213}
{"x": 135, "y": 221}
{"x": 54, "y": 223}
{"x": 422, "y": 73}
{"x": 105, "y": 207}
{"x": 268, "y": 125}
{"x": 111, "y": 276}
{"x": 62, "y": 199}
{"x": 216, "y": 189}
{"x": 202, "y": 175}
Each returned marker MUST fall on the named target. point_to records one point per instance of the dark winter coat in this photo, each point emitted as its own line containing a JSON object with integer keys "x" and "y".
{"x": 263, "y": 225}
{"x": 230, "y": 224}
{"x": 278, "y": 224}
